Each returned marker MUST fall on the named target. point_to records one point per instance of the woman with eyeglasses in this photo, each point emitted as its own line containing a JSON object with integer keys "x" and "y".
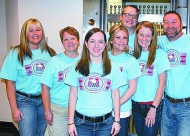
{"x": 94, "y": 92}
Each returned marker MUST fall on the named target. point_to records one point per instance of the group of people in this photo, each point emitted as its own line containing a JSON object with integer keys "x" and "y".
{"x": 94, "y": 94}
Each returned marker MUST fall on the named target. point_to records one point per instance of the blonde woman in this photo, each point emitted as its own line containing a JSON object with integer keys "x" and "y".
{"x": 129, "y": 67}
{"x": 22, "y": 69}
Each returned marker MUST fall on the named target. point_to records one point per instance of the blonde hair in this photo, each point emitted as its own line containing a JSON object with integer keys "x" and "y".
{"x": 153, "y": 44}
{"x": 23, "y": 48}
{"x": 112, "y": 33}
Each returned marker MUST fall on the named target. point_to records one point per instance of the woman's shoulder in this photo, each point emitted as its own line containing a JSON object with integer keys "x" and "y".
{"x": 129, "y": 57}
{"x": 13, "y": 52}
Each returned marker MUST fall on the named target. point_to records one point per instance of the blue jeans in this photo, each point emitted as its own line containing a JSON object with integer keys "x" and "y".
{"x": 124, "y": 126}
{"x": 87, "y": 128}
{"x": 175, "y": 119}
{"x": 33, "y": 123}
{"x": 139, "y": 112}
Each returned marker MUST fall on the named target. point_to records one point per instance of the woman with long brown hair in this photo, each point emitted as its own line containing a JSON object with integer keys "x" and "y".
{"x": 147, "y": 100}
{"x": 94, "y": 90}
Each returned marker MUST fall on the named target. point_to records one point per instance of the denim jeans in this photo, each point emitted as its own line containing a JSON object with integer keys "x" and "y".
{"x": 139, "y": 112}
{"x": 175, "y": 119}
{"x": 124, "y": 126}
{"x": 33, "y": 123}
{"x": 87, "y": 128}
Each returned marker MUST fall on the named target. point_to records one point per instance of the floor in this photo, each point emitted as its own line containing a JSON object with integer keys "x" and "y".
{"x": 6, "y": 134}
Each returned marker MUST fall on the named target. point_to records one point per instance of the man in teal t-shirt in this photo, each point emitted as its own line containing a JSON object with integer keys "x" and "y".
{"x": 176, "y": 111}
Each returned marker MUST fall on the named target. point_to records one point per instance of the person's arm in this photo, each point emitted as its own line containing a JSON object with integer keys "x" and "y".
{"x": 150, "y": 118}
{"x": 11, "y": 94}
{"x": 116, "y": 103}
{"x": 46, "y": 103}
{"x": 129, "y": 92}
{"x": 71, "y": 111}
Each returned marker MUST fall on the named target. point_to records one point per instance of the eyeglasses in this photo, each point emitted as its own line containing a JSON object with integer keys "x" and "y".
{"x": 130, "y": 15}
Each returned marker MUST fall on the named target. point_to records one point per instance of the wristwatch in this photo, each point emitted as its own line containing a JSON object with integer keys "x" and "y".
{"x": 152, "y": 106}
{"x": 117, "y": 122}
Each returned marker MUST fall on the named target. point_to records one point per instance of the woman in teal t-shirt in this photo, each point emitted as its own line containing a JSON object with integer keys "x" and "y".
{"x": 147, "y": 100}
{"x": 22, "y": 69}
{"x": 94, "y": 90}
{"x": 129, "y": 68}
{"x": 55, "y": 93}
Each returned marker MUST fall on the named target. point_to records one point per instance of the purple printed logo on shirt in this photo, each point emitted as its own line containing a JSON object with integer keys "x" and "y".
{"x": 175, "y": 58}
{"x": 121, "y": 69}
{"x": 146, "y": 71}
{"x": 94, "y": 83}
{"x": 62, "y": 74}
{"x": 143, "y": 67}
{"x": 36, "y": 67}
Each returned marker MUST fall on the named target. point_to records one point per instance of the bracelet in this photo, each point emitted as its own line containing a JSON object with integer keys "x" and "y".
{"x": 117, "y": 122}
{"x": 47, "y": 113}
{"x": 71, "y": 124}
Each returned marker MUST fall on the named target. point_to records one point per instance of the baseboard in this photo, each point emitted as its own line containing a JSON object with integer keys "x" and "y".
{"x": 8, "y": 127}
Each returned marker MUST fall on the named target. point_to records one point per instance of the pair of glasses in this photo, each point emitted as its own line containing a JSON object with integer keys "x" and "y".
{"x": 130, "y": 15}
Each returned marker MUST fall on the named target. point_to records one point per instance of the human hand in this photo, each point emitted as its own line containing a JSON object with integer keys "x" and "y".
{"x": 150, "y": 118}
{"x": 17, "y": 114}
{"x": 115, "y": 128}
{"x": 49, "y": 117}
{"x": 72, "y": 130}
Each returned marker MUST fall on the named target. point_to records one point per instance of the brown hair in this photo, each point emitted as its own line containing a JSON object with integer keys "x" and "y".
{"x": 84, "y": 62}
{"x": 71, "y": 31}
{"x": 153, "y": 44}
{"x": 132, "y": 6}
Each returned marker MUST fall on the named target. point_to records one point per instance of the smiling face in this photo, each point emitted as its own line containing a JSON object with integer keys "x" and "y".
{"x": 70, "y": 42}
{"x": 119, "y": 42}
{"x": 172, "y": 26}
{"x": 129, "y": 18}
{"x": 96, "y": 45}
{"x": 144, "y": 37}
{"x": 34, "y": 36}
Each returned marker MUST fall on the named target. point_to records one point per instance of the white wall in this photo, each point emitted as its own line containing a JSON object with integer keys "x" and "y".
{"x": 5, "y": 113}
{"x": 53, "y": 14}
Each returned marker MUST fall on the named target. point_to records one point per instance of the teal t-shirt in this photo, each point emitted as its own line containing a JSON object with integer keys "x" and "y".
{"x": 178, "y": 78}
{"x": 95, "y": 90}
{"x": 130, "y": 69}
{"x": 131, "y": 43}
{"x": 54, "y": 76}
{"x": 148, "y": 82}
{"x": 26, "y": 77}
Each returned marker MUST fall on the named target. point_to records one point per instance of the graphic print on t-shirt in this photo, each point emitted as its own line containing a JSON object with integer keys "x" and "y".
{"x": 131, "y": 50}
{"x": 175, "y": 58}
{"x": 94, "y": 83}
{"x": 36, "y": 67}
{"x": 146, "y": 71}
{"x": 62, "y": 74}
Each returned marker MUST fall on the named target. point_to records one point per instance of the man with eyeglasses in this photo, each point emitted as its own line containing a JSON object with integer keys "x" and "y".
{"x": 176, "y": 107}
{"x": 129, "y": 19}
